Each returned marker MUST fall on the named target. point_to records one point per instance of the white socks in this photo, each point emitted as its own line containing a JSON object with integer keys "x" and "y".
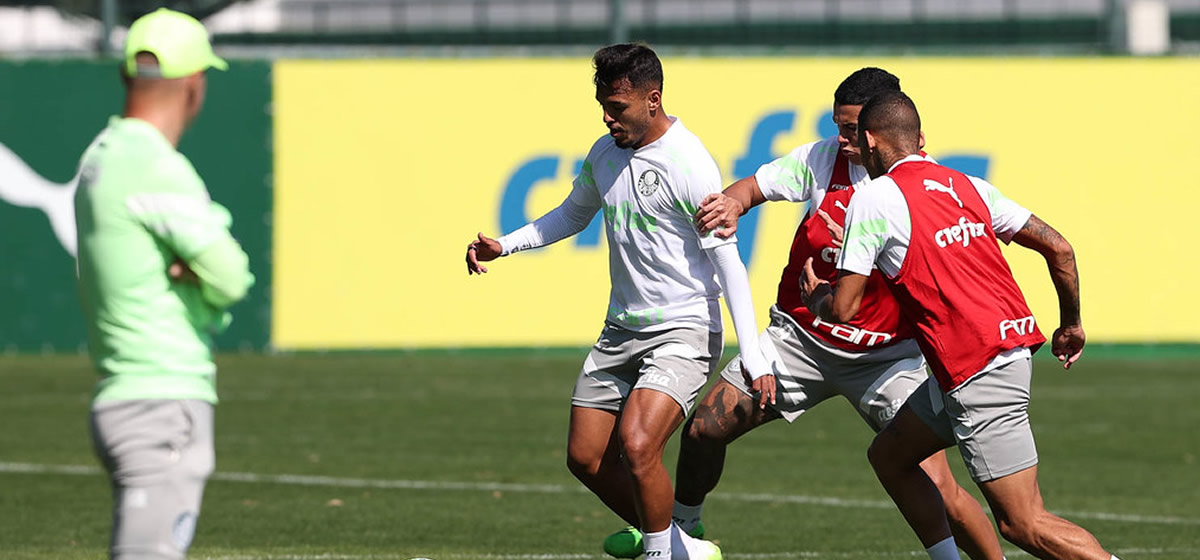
{"x": 658, "y": 545}
{"x": 687, "y": 517}
{"x": 945, "y": 550}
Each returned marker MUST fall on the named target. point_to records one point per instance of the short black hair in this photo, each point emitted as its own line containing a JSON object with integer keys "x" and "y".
{"x": 634, "y": 61}
{"x": 893, "y": 115}
{"x": 860, "y": 86}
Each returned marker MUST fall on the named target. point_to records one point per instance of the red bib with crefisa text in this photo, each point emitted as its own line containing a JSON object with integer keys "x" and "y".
{"x": 955, "y": 286}
{"x": 878, "y": 321}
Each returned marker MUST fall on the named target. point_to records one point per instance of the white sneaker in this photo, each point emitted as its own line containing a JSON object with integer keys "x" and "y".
{"x": 686, "y": 547}
{"x": 703, "y": 550}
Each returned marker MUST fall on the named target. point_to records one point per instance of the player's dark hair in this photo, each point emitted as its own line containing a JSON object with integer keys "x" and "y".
{"x": 863, "y": 84}
{"x": 634, "y": 61}
{"x": 892, "y": 115}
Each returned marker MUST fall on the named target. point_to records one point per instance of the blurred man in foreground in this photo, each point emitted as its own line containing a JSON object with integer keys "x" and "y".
{"x": 157, "y": 269}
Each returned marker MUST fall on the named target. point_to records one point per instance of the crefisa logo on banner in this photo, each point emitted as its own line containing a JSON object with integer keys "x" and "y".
{"x": 540, "y": 168}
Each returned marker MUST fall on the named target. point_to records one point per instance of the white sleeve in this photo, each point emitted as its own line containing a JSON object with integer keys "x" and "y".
{"x": 560, "y": 223}
{"x": 789, "y": 177}
{"x": 866, "y": 232}
{"x": 571, "y": 217}
{"x": 1008, "y": 217}
{"x": 732, "y": 275}
{"x": 691, "y": 193}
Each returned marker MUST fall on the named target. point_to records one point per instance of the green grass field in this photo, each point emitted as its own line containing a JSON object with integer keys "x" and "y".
{"x": 461, "y": 455}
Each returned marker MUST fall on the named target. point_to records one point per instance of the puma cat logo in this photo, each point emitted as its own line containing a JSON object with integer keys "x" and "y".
{"x": 21, "y": 186}
{"x": 931, "y": 185}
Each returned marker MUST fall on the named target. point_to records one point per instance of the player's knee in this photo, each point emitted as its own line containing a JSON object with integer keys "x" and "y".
{"x": 886, "y": 455}
{"x": 948, "y": 487}
{"x": 959, "y": 504}
{"x": 582, "y": 470}
{"x": 582, "y": 463}
{"x": 641, "y": 451}
{"x": 1031, "y": 529}
{"x": 574, "y": 465}
{"x": 1021, "y": 532}
{"x": 878, "y": 456}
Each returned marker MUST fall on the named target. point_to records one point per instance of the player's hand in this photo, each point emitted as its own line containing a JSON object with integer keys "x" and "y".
{"x": 481, "y": 250}
{"x": 1067, "y": 344}
{"x": 180, "y": 272}
{"x": 718, "y": 213}
{"x": 837, "y": 232}
{"x": 765, "y": 388}
{"x": 811, "y": 286}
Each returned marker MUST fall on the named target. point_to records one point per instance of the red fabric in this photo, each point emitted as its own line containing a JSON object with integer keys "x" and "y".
{"x": 878, "y": 323}
{"x": 955, "y": 286}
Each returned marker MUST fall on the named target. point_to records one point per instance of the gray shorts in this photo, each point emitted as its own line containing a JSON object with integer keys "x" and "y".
{"x": 676, "y": 361}
{"x": 808, "y": 371}
{"x": 988, "y": 417}
{"x": 158, "y": 454}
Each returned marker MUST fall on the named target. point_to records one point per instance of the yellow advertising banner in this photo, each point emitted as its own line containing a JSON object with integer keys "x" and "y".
{"x": 386, "y": 169}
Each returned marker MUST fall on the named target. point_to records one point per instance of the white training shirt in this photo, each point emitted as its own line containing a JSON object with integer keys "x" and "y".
{"x": 660, "y": 275}
{"x": 804, "y": 174}
{"x": 879, "y": 228}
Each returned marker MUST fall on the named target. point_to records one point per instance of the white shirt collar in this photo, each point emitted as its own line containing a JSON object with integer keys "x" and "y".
{"x": 913, "y": 157}
{"x": 674, "y": 121}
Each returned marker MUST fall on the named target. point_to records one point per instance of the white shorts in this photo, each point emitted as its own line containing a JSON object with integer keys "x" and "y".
{"x": 988, "y": 417}
{"x": 675, "y": 361}
{"x": 808, "y": 371}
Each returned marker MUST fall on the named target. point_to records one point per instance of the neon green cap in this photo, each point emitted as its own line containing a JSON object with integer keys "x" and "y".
{"x": 178, "y": 40}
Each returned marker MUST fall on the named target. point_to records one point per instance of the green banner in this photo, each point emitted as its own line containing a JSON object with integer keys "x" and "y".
{"x": 49, "y": 113}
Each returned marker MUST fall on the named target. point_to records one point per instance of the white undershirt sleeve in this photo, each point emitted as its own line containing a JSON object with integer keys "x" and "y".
{"x": 732, "y": 275}
{"x": 867, "y": 231}
{"x": 560, "y": 223}
{"x": 787, "y": 178}
{"x": 1008, "y": 217}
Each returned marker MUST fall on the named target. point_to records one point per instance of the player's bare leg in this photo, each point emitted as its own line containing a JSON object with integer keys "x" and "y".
{"x": 896, "y": 455}
{"x": 646, "y": 423}
{"x": 723, "y": 415}
{"x": 1017, "y": 504}
{"x": 971, "y": 527}
{"x": 594, "y": 457}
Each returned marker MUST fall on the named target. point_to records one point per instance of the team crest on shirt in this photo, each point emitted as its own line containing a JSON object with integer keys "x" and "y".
{"x": 648, "y": 182}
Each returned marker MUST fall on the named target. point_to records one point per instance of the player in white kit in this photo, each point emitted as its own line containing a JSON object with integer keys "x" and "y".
{"x": 662, "y": 335}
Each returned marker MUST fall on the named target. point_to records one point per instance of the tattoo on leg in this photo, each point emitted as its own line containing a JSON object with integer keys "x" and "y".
{"x": 729, "y": 414}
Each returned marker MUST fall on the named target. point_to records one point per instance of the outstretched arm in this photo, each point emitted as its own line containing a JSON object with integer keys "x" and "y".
{"x": 1068, "y": 339}
{"x": 719, "y": 212}
{"x": 564, "y": 221}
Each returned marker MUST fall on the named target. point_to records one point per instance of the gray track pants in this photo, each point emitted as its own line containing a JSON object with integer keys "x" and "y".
{"x": 158, "y": 453}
